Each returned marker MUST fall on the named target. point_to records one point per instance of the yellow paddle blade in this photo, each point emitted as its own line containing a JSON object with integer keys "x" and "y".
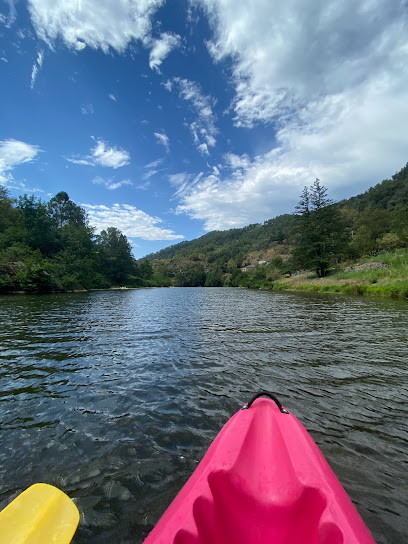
{"x": 42, "y": 514}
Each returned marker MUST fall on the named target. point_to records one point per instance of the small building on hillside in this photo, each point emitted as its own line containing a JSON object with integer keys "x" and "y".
{"x": 247, "y": 268}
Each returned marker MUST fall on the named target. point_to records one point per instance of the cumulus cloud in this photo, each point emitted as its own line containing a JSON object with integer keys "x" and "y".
{"x": 103, "y": 155}
{"x": 246, "y": 196}
{"x": 286, "y": 54}
{"x": 102, "y": 24}
{"x": 133, "y": 222}
{"x": 348, "y": 152}
{"x": 161, "y": 48}
{"x": 99, "y": 24}
{"x": 331, "y": 81}
{"x": 13, "y": 153}
{"x": 203, "y": 126}
{"x": 110, "y": 156}
{"x": 163, "y": 140}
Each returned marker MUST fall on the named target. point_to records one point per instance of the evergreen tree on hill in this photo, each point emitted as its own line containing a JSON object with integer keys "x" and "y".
{"x": 320, "y": 234}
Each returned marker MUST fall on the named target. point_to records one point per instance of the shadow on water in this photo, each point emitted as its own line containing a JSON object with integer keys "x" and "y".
{"x": 115, "y": 396}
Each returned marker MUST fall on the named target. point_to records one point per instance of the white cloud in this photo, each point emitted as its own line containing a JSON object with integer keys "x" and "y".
{"x": 203, "y": 148}
{"x": 133, "y": 222}
{"x": 99, "y": 24}
{"x": 103, "y": 155}
{"x": 112, "y": 97}
{"x": 154, "y": 164}
{"x": 332, "y": 81}
{"x": 110, "y": 184}
{"x": 102, "y": 24}
{"x": 243, "y": 198}
{"x": 36, "y": 67}
{"x": 184, "y": 183}
{"x": 83, "y": 162}
{"x": 350, "y": 144}
{"x": 150, "y": 173}
{"x": 163, "y": 140}
{"x": 116, "y": 185}
{"x": 9, "y": 20}
{"x": 203, "y": 127}
{"x": 152, "y": 169}
{"x": 285, "y": 54}
{"x": 168, "y": 85}
{"x": 110, "y": 156}
{"x": 237, "y": 161}
{"x": 161, "y": 48}
{"x": 13, "y": 153}
{"x": 178, "y": 179}
{"x": 87, "y": 109}
{"x": 143, "y": 186}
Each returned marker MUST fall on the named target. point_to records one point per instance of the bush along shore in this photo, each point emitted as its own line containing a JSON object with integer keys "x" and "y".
{"x": 385, "y": 275}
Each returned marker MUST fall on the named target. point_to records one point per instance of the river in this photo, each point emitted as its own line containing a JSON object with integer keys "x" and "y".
{"x": 114, "y": 396}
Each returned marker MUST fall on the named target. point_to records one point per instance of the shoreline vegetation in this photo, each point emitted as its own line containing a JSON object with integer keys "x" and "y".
{"x": 363, "y": 278}
{"x": 383, "y": 276}
{"x": 357, "y": 246}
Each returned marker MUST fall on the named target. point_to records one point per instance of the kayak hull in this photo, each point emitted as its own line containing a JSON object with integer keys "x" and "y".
{"x": 263, "y": 480}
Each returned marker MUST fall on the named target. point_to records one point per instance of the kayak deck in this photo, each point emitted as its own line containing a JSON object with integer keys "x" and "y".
{"x": 263, "y": 480}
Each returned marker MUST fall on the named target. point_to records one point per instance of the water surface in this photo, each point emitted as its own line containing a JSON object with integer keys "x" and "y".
{"x": 114, "y": 396}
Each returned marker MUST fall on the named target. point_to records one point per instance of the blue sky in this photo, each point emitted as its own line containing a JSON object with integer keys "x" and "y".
{"x": 171, "y": 119}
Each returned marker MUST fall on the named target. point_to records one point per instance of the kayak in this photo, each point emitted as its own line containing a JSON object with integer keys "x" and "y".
{"x": 263, "y": 480}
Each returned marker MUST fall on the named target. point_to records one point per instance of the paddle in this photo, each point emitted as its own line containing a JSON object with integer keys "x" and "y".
{"x": 39, "y": 515}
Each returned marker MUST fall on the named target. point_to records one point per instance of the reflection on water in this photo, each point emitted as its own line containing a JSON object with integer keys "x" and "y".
{"x": 115, "y": 396}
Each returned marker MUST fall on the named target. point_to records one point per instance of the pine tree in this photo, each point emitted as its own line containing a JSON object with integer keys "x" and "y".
{"x": 320, "y": 234}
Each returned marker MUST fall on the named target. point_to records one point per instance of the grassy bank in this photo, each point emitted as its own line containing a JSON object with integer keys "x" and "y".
{"x": 385, "y": 275}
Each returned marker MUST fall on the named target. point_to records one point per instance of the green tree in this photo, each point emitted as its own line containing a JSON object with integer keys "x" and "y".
{"x": 7, "y": 211}
{"x": 115, "y": 255}
{"x": 77, "y": 257}
{"x": 372, "y": 224}
{"x": 399, "y": 222}
{"x": 34, "y": 226}
{"x": 64, "y": 211}
{"x": 320, "y": 233}
{"x": 214, "y": 278}
{"x": 146, "y": 270}
{"x": 190, "y": 276}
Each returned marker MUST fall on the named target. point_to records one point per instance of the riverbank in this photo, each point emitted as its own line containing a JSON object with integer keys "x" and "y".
{"x": 385, "y": 276}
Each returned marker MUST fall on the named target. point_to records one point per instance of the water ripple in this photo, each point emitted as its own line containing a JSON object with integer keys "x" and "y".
{"x": 115, "y": 396}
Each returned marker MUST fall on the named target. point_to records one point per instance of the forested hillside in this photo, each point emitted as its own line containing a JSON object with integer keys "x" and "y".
{"x": 49, "y": 246}
{"x": 365, "y": 225}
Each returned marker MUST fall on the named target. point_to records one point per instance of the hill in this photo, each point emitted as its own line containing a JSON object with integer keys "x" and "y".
{"x": 258, "y": 254}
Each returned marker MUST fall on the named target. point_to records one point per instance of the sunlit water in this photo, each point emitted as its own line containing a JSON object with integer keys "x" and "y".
{"x": 114, "y": 396}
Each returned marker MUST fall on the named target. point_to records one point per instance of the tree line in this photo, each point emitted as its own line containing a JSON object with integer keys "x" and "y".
{"x": 50, "y": 246}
